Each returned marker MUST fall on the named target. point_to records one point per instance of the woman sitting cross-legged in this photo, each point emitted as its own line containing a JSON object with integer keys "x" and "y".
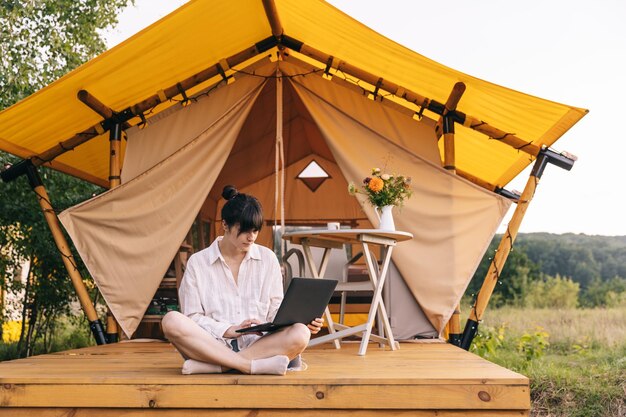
{"x": 233, "y": 284}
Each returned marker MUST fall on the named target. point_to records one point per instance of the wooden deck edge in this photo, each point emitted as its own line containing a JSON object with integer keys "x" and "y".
{"x": 363, "y": 397}
{"x": 129, "y": 412}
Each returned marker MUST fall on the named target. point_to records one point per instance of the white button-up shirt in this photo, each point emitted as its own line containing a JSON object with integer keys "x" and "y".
{"x": 210, "y": 297}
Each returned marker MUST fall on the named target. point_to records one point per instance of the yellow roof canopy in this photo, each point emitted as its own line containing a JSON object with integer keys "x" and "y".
{"x": 202, "y": 41}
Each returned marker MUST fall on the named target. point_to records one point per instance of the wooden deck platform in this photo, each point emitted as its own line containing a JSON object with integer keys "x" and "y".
{"x": 137, "y": 379}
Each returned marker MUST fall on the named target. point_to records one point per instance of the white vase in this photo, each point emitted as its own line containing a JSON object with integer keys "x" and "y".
{"x": 385, "y": 218}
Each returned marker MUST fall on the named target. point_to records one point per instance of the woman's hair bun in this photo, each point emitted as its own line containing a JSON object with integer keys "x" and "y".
{"x": 229, "y": 192}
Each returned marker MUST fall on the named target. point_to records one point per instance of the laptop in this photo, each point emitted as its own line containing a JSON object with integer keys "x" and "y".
{"x": 305, "y": 300}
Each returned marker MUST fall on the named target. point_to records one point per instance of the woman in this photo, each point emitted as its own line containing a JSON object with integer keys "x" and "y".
{"x": 233, "y": 284}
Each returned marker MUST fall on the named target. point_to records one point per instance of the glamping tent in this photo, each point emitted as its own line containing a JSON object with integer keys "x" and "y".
{"x": 251, "y": 93}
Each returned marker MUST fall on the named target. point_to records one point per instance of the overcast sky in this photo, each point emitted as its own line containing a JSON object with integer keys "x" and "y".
{"x": 569, "y": 51}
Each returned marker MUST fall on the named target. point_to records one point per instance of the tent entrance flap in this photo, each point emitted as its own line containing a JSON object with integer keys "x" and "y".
{"x": 155, "y": 207}
{"x": 452, "y": 221}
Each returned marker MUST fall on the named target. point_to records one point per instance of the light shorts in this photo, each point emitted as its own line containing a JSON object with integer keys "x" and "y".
{"x": 243, "y": 341}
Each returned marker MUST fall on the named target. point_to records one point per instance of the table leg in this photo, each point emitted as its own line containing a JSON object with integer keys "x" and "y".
{"x": 377, "y": 306}
{"x": 308, "y": 255}
{"x": 381, "y": 307}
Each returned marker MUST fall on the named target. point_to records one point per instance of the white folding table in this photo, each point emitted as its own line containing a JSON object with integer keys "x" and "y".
{"x": 335, "y": 239}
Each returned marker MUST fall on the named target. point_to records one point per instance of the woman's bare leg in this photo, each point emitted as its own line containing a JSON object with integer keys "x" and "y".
{"x": 290, "y": 341}
{"x": 195, "y": 343}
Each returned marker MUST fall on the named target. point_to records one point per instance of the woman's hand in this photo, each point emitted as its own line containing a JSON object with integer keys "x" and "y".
{"x": 231, "y": 333}
{"x": 316, "y": 325}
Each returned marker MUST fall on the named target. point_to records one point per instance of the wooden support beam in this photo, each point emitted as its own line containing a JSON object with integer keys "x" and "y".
{"x": 94, "y": 104}
{"x": 546, "y": 156}
{"x": 419, "y": 100}
{"x": 451, "y": 103}
{"x": 97, "y": 106}
{"x": 115, "y": 148}
{"x": 115, "y": 172}
{"x": 499, "y": 259}
{"x": 449, "y": 153}
{"x": 454, "y": 327}
{"x": 272, "y": 16}
{"x": 153, "y": 101}
{"x": 66, "y": 253}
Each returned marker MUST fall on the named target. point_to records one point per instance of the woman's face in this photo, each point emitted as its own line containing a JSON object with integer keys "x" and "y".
{"x": 242, "y": 242}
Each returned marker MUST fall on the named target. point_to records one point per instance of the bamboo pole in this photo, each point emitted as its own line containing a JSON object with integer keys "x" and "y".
{"x": 451, "y": 103}
{"x": 152, "y": 101}
{"x": 446, "y": 124}
{"x": 66, "y": 254}
{"x": 115, "y": 142}
{"x": 454, "y": 327}
{"x": 419, "y": 100}
{"x": 115, "y": 145}
{"x": 272, "y": 16}
{"x": 97, "y": 106}
{"x": 504, "y": 248}
{"x": 449, "y": 157}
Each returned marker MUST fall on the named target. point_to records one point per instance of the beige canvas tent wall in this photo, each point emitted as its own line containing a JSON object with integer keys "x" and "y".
{"x": 377, "y": 102}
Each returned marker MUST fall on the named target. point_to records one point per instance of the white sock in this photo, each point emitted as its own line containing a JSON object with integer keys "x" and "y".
{"x": 192, "y": 366}
{"x": 275, "y": 365}
{"x": 297, "y": 364}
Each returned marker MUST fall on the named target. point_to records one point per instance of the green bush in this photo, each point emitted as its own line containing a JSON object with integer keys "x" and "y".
{"x": 611, "y": 293}
{"x": 488, "y": 340}
{"x": 553, "y": 292}
{"x": 533, "y": 345}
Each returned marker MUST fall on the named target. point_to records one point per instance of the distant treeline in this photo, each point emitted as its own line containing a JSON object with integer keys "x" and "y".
{"x": 566, "y": 270}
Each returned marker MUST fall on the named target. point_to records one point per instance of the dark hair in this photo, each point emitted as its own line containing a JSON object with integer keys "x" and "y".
{"x": 243, "y": 209}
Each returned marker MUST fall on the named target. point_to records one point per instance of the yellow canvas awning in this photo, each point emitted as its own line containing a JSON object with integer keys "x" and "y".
{"x": 202, "y": 33}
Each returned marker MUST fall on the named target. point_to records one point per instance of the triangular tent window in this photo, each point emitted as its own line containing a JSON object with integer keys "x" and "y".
{"x": 313, "y": 175}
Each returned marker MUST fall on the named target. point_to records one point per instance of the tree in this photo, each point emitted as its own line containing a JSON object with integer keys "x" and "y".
{"x": 516, "y": 276}
{"x": 553, "y": 292}
{"x": 40, "y": 40}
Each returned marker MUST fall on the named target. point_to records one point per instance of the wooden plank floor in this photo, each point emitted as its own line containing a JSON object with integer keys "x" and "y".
{"x": 143, "y": 378}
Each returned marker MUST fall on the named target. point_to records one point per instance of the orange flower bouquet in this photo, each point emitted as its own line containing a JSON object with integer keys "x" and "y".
{"x": 384, "y": 189}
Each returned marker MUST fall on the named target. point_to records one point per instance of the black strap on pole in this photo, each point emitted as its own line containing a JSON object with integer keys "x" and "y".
{"x": 98, "y": 332}
{"x": 469, "y": 332}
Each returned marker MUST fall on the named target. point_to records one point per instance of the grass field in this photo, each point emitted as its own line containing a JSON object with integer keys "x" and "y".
{"x": 575, "y": 359}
